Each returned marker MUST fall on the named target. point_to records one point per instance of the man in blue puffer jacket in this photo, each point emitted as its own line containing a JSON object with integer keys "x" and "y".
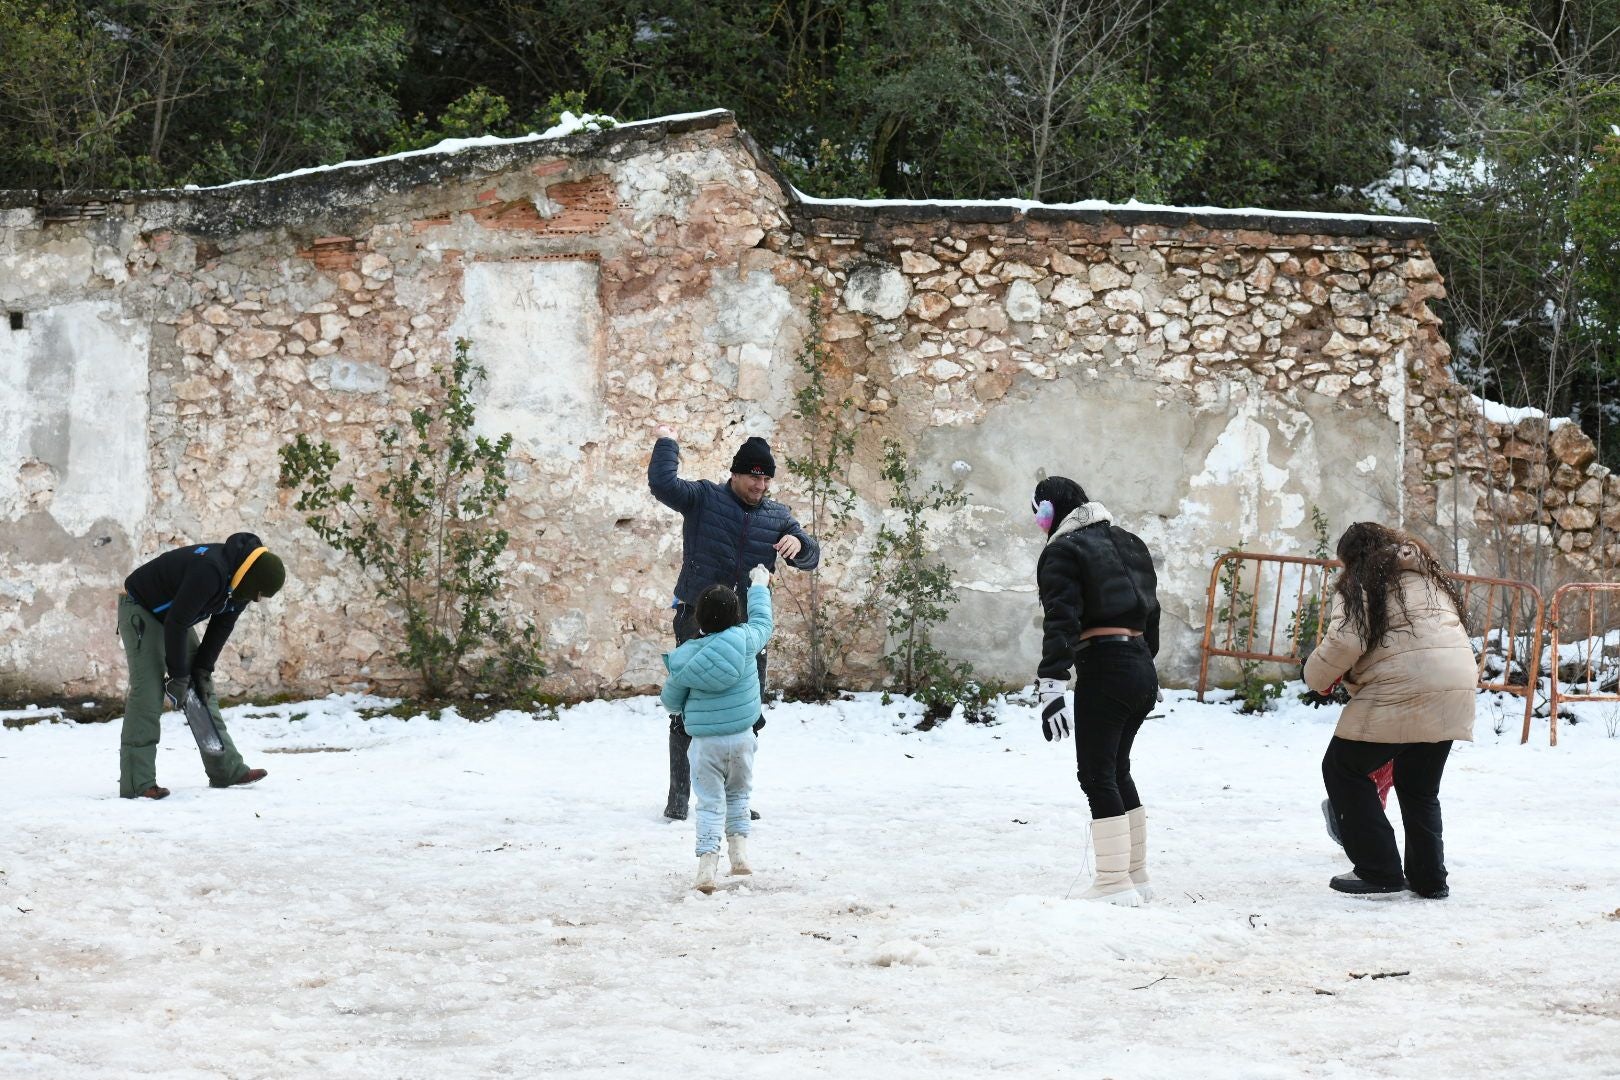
{"x": 726, "y": 528}
{"x": 713, "y": 689}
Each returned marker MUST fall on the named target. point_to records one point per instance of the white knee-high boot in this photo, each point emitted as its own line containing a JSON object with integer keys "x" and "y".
{"x": 1139, "y": 874}
{"x": 707, "y": 864}
{"x": 1111, "y": 845}
{"x": 737, "y": 854}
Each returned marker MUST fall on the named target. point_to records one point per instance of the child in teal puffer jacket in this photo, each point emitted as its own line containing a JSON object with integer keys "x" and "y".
{"x": 714, "y": 686}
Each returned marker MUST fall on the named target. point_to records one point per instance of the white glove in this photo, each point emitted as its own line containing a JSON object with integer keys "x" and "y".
{"x": 759, "y": 575}
{"x": 1057, "y": 723}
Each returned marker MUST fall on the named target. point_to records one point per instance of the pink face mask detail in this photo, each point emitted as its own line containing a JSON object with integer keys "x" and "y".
{"x": 1043, "y": 514}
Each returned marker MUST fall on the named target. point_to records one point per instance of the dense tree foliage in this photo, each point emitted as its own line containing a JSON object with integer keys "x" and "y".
{"x": 1498, "y": 118}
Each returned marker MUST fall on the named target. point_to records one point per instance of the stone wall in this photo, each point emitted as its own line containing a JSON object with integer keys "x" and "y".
{"x": 1211, "y": 377}
{"x": 1211, "y": 385}
{"x": 1508, "y": 492}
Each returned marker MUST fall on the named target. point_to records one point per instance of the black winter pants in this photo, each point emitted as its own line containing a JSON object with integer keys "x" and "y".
{"x": 680, "y": 768}
{"x": 1368, "y": 838}
{"x": 1115, "y": 686}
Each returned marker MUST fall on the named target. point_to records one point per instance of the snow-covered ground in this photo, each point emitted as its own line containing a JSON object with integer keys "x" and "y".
{"x": 443, "y": 899}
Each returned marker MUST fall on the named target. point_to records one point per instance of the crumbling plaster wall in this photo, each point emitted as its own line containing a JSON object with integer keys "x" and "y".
{"x": 1210, "y": 384}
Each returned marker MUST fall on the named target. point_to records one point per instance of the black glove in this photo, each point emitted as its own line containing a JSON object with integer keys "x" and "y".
{"x": 174, "y": 691}
{"x": 1333, "y": 695}
{"x": 759, "y": 724}
{"x": 203, "y": 680}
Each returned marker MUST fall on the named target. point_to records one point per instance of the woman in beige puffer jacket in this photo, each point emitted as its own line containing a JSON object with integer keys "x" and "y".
{"x": 1397, "y": 641}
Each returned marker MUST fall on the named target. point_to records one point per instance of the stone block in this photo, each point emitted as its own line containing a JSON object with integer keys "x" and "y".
{"x": 251, "y": 344}
{"x": 1346, "y": 260}
{"x": 929, "y": 306}
{"x": 1352, "y": 305}
{"x": 1022, "y": 302}
{"x": 199, "y": 338}
{"x": 1571, "y": 446}
{"x": 1106, "y": 276}
{"x": 1071, "y": 294}
{"x": 1573, "y": 518}
{"x": 1064, "y": 264}
{"x": 1122, "y": 299}
{"x": 917, "y": 262}
{"x": 349, "y": 376}
{"x": 1338, "y": 345}
{"x": 1419, "y": 268}
{"x": 877, "y": 289}
{"x": 977, "y": 262}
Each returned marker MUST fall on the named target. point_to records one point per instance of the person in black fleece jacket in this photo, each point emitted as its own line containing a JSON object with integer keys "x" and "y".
{"x": 162, "y": 600}
{"x": 726, "y": 530}
{"x": 1099, "y": 594}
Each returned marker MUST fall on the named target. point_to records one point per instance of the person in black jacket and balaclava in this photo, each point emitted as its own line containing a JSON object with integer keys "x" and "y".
{"x": 1098, "y": 591}
{"x": 162, "y": 600}
{"x": 726, "y": 530}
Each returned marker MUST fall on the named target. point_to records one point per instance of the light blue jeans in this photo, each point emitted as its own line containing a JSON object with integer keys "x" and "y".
{"x": 722, "y": 777}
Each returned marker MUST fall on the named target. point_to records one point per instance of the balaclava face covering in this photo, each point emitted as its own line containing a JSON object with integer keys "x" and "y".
{"x": 1055, "y": 497}
{"x": 263, "y": 579}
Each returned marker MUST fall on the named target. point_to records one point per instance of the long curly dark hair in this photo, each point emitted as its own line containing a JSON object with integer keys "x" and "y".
{"x": 1371, "y": 554}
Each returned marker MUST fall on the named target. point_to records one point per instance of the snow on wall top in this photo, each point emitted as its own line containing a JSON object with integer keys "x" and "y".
{"x": 1025, "y": 206}
{"x": 990, "y": 211}
{"x": 1497, "y": 413}
{"x": 568, "y": 124}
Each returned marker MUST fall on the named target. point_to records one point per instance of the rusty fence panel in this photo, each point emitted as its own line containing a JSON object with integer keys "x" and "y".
{"x": 1269, "y": 609}
{"x": 1265, "y": 608}
{"x": 1507, "y": 617}
{"x": 1581, "y": 622}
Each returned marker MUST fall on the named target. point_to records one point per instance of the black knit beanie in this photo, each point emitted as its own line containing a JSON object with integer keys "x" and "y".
{"x": 1064, "y": 495}
{"x": 754, "y": 458}
{"x": 718, "y": 609}
{"x": 263, "y": 579}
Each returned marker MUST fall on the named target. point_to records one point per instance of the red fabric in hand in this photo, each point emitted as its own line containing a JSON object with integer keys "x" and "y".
{"x": 1384, "y": 777}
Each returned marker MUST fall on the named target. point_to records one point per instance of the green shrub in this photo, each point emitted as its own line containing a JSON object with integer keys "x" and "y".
{"x": 430, "y": 543}
{"x": 919, "y": 590}
{"x": 824, "y": 473}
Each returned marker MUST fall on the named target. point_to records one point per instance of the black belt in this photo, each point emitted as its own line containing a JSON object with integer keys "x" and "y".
{"x": 1086, "y": 643}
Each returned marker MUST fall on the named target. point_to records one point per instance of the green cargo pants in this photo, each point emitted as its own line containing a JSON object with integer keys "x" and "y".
{"x": 142, "y": 634}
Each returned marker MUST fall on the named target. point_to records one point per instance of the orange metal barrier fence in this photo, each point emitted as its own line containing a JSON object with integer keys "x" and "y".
{"x": 1508, "y": 615}
{"x": 1573, "y": 606}
{"x": 1269, "y": 609}
{"x": 1251, "y": 588}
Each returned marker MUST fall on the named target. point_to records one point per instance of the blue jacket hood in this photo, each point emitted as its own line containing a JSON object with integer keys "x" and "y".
{"x": 711, "y": 663}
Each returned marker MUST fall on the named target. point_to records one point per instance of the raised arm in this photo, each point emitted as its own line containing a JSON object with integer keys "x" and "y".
{"x": 760, "y": 620}
{"x": 668, "y": 488}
